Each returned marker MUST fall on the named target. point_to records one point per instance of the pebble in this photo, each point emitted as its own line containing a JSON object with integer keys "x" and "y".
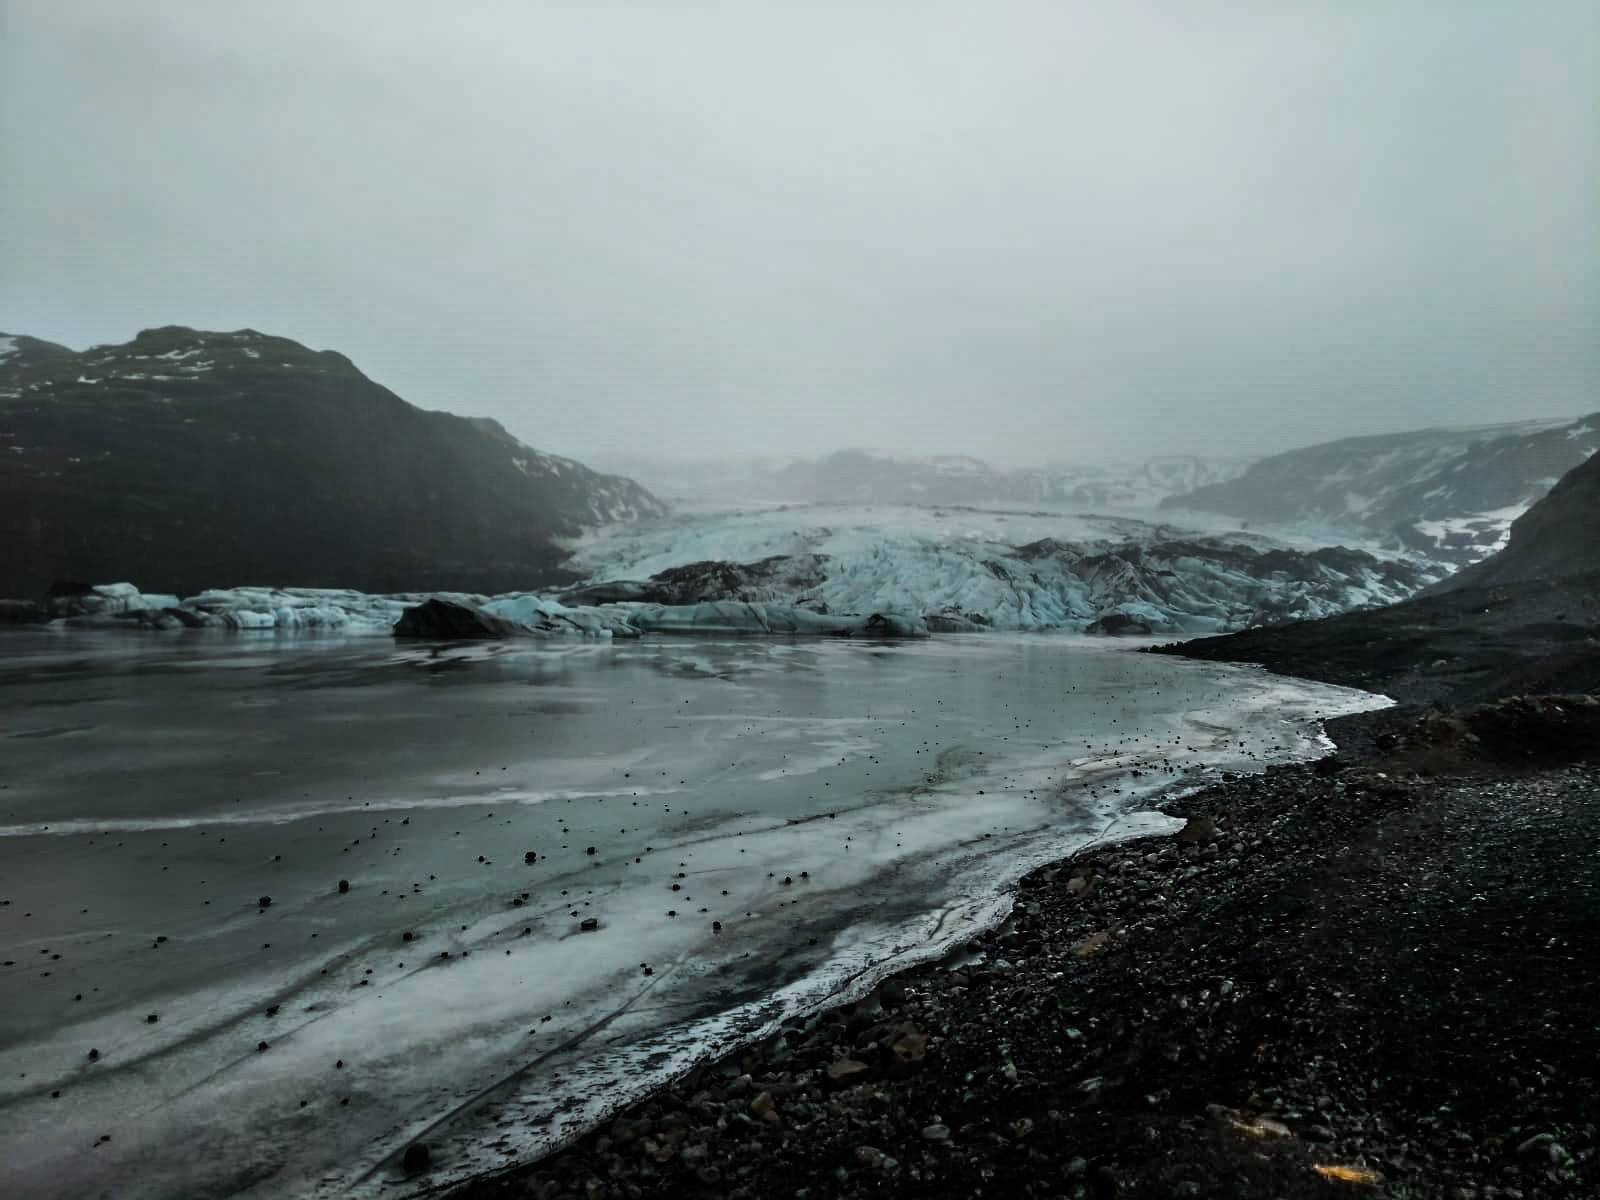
{"x": 417, "y": 1157}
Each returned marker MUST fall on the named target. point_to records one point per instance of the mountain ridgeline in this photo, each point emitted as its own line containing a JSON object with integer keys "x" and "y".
{"x": 1447, "y": 494}
{"x": 870, "y": 477}
{"x": 185, "y": 459}
{"x": 1524, "y": 621}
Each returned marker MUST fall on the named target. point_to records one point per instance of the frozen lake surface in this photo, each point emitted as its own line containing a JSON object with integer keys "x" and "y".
{"x": 751, "y": 824}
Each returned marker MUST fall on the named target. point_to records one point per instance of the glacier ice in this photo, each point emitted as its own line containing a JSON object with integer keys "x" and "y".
{"x": 825, "y": 569}
{"x": 971, "y": 568}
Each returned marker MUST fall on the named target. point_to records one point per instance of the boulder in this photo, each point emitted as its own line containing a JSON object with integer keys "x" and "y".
{"x": 453, "y": 620}
{"x": 1116, "y": 624}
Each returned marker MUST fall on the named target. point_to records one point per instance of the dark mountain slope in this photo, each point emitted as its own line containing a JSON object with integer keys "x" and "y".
{"x": 1558, "y": 538}
{"x": 1525, "y": 620}
{"x": 1448, "y": 493}
{"x": 186, "y": 459}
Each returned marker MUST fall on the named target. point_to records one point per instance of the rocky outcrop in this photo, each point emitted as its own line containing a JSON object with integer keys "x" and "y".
{"x": 186, "y": 457}
{"x": 769, "y": 578}
{"x": 1517, "y": 729}
{"x": 454, "y": 620}
{"x": 1119, "y": 625}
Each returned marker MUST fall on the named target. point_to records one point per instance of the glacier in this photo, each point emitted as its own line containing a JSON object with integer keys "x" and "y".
{"x": 967, "y": 569}
{"x": 826, "y": 569}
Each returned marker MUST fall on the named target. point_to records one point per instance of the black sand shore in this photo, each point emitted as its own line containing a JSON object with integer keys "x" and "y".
{"x": 1372, "y": 975}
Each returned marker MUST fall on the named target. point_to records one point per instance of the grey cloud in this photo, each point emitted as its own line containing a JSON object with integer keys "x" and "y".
{"x": 1027, "y": 231}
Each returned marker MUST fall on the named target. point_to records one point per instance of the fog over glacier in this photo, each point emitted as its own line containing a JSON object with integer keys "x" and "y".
{"x": 1028, "y": 232}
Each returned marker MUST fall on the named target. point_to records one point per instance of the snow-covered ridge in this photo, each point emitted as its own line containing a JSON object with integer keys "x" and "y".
{"x": 1449, "y": 494}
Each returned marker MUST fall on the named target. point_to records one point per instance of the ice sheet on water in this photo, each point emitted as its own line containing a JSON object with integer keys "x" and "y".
{"x": 735, "y": 762}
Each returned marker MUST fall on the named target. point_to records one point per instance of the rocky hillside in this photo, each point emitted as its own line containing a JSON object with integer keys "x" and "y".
{"x": 1450, "y": 494}
{"x": 1526, "y": 620}
{"x": 187, "y": 459}
{"x": 1557, "y": 539}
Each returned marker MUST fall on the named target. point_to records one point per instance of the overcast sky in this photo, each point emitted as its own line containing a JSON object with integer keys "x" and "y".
{"x": 1024, "y": 231}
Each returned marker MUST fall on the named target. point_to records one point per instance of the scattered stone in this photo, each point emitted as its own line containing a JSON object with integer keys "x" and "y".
{"x": 1535, "y": 1144}
{"x": 416, "y": 1157}
{"x": 911, "y": 1047}
{"x": 846, "y": 1071}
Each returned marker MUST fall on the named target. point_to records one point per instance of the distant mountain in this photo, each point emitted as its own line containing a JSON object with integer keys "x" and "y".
{"x": 186, "y": 459}
{"x": 1134, "y": 485}
{"x": 870, "y": 477}
{"x": 862, "y": 477}
{"x": 715, "y": 480}
{"x": 1558, "y": 538}
{"x": 1450, "y": 494}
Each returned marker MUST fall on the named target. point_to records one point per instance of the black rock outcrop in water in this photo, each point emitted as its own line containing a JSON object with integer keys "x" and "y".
{"x": 184, "y": 458}
{"x": 453, "y": 620}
